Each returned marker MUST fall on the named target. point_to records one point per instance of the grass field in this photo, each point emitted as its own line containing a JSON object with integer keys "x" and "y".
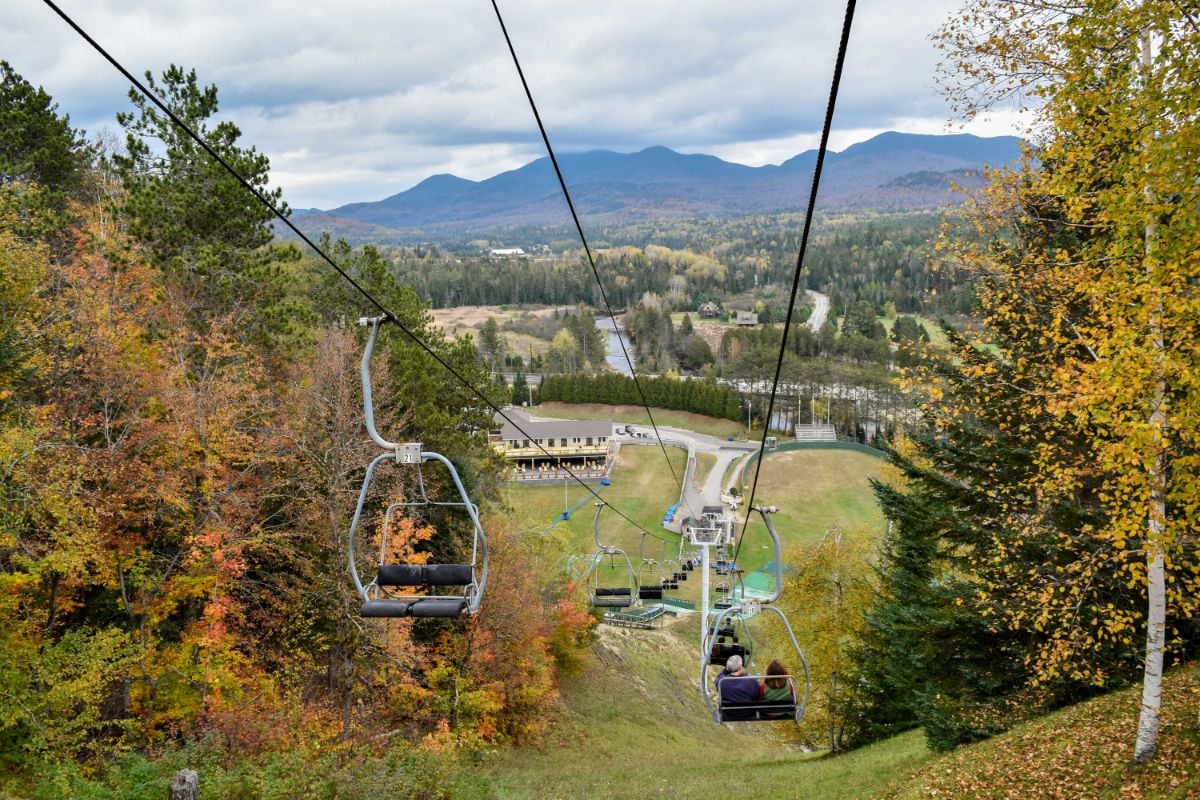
{"x": 937, "y": 337}
{"x": 469, "y": 319}
{"x": 637, "y": 415}
{"x": 633, "y": 726}
{"x": 641, "y": 489}
{"x": 815, "y": 489}
{"x": 704, "y": 465}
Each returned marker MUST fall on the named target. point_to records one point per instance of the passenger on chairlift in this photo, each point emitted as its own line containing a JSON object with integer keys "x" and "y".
{"x": 777, "y": 689}
{"x": 734, "y": 685}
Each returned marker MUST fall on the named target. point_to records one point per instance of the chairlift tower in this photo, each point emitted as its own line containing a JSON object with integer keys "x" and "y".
{"x": 712, "y": 529}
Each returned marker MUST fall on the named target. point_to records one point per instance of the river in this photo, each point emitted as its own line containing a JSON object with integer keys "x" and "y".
{"x": 615, "y": 358}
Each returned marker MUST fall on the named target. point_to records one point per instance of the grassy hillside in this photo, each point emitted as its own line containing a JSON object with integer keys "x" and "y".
{"x": 633, "y": 726}
{"x": 637, "y": 415}
{"x": 815, "y": 489}
{"x": 1079, "y": 752}
{"x": 642, "y": 489}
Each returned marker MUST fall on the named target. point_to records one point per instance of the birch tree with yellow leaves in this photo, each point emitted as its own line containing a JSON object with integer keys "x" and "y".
{"x": 1114, "y": 89}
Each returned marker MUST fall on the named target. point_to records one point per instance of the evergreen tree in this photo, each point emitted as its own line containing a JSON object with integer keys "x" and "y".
{"x": 36, "y": 144}
{"x": 520, "y": 389}
{"x": 197, "y": 222}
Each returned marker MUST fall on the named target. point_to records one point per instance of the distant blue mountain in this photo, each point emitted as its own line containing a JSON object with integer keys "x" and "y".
{"x": 659, "y": 182}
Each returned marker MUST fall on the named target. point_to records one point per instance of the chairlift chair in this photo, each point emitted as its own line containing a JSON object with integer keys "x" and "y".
{"x": 610, "y": 594}
{"x": 446, "y": 590}
{"x": 734, "y": 638}
{"x": 722, "y": 711}
{"x": 650, "y": 580}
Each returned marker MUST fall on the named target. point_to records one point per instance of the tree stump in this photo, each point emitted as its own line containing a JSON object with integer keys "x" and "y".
{"x": 185, "y": 785}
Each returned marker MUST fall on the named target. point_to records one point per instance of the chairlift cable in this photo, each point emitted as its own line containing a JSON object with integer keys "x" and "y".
{"x": 808, "y": 216}
{"x": 588, "y": 252}
{"x": 387, "y": 314}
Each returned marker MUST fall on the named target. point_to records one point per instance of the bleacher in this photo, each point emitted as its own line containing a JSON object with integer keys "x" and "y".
{"x": 816, "y": 433}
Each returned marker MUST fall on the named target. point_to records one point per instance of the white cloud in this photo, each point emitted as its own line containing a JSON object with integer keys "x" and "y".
{"x": 361, "y": 99}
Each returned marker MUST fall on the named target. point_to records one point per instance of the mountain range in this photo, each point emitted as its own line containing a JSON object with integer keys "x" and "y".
{"x": 889, "y": 172}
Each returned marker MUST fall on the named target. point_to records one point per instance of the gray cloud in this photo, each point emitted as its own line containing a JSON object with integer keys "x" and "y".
{"x": 360, "y": 99}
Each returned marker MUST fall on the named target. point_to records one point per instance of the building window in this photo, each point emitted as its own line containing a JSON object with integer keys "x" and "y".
{"x": 525, "y": 443}
{"x": 601, "y": 439}
{"x": 590, "y": 441}
{"x": 562, "y": 442}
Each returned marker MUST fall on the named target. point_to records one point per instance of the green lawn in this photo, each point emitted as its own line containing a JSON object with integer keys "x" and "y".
{"x": 637, "y": 416}
{"x": 642, "y": 489}
{"x": 814, "y": 489}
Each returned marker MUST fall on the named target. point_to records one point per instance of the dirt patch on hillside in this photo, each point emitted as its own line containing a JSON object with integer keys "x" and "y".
{"x": 463, "y": 318}
{"x": 711, "y": 331}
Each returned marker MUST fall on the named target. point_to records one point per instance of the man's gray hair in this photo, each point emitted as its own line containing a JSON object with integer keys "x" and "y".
{"x": 733, "y": 663}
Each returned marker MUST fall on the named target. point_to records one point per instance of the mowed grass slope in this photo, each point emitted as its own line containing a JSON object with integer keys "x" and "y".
{"x": 636, "y": 415}
{"x": 642, "y": 489}
{"x": 633, "y": 726}
{"x": 815, "y": 489}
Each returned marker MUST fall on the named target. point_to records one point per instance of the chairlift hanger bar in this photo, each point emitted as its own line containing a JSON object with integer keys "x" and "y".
{"x": 387, "y": 315}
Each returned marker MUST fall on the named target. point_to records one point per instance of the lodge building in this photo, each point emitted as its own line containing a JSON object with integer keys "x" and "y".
{"x": 548, "y": 445}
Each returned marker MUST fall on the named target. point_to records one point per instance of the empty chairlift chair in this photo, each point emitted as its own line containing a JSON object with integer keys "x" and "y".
{"x": 414, "y": 590}
{"x": 650, "y": 580}
{"x": 616, "y": 588}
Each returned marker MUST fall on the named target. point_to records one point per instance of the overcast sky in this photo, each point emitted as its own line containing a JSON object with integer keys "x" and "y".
{"x": 360, "y": 99}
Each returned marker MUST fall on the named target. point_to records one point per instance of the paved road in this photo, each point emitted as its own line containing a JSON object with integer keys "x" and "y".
{"x": 820, "y": 310}
{"x": 726, "y": 452}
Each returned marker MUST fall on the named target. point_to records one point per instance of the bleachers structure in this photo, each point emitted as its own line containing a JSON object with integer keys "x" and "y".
{"x": 816, "y": 432}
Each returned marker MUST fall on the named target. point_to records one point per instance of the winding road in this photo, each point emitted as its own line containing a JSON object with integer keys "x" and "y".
{"x": 820, "y": 310}
{"x": 694, "y": 497}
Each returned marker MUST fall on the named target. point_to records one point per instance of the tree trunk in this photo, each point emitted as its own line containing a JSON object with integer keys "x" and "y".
{"x": 1147, "y": 734}
{"x": 185, "y": 785}
{"x": 1156, "y": 578}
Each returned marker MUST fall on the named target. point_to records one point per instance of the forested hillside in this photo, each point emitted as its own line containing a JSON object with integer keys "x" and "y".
{"x": 181, "y": 444}
{"x": 872, "y": 257}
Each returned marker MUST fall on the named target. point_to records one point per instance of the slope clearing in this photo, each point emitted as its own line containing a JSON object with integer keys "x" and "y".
{"x": 633, "y": 726}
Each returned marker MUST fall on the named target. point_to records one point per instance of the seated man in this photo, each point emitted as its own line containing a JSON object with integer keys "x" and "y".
{"x": 736, "y": 688}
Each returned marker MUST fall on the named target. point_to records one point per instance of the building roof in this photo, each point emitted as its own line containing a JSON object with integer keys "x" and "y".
{"x": 549, "y": 428}
{"x": 747, "y": 318}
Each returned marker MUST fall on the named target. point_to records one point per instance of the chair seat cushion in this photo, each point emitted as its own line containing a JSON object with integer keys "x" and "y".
{"x": 425, "y": 575}
{"x": 434, "y": 607}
